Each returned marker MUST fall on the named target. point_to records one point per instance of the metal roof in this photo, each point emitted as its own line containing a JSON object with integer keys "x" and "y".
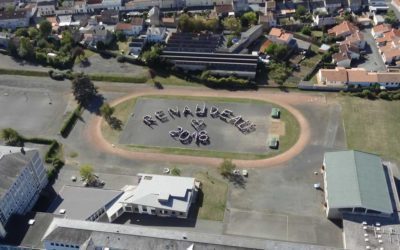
{"x": 356, "y": 179}
{"x": 82, "y": 202}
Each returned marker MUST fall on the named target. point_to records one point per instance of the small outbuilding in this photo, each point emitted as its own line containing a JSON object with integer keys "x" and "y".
{"x": 273, "y": 142}
{"x": 355, "y": 183}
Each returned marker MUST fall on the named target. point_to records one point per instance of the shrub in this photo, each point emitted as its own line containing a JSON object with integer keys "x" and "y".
{"x": 384, "y": 95}
{"x": 226, "y": 168}
{"x": 53, "y": 151}
{"x": 120, "y": 59}
{"x": 70, "y": 122}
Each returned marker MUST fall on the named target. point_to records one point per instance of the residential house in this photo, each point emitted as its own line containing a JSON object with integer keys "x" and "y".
{"x": 109, "y": 17}
{"x": 22, "y": 178}
{"x": 280, "y": 36}
{"x": 240, "y": 5}
{"x": 268, "y": 20}
{"x": 332, "y": 5}
{"x": 160, "y": 195}
{"x": 347, "y": 52}
{"x": 343, "y": 29}
{"x": 355, "y": 5}
{"x": 156, "y": 34}
{"x": 128, "y": 29}
{"x": 378, "y": 19}
{"x": 379, "y": 30}
{"x": 357, "y": 77}
{"x": 377, "y": 6}
{"x": 355, "y": 183}
{"x": 323, "y": 20}
{"x": 223, "y": 9}
{"x": 270, "y": 6}
{"x": 355, "y": 39}
{"x": 364, "y": 21}
{"x": 111, "y": 4}
{"x": 46, "y": 8}
{"x": 391, "y": 52}
{"x": 92, "y": 34}
{"x": 169, "y": 22}
{"x": 396, "y": 4}
{"x": 14, "y": 19}
{"x": 154, "y": 16}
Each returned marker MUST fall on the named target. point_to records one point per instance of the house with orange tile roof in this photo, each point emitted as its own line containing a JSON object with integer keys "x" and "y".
{"x": 355, "y": 39}
{"x": 379, "y": 30}
{"x": 343, "y": 29}
{"x": 396, "y": 4}
{"x": 280, "y": 36}
{"x": 357, "y": 77}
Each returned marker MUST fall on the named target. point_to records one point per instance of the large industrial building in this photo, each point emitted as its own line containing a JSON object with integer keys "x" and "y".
{"x": 22, "y": 178}
{"x": 355, "y": 183}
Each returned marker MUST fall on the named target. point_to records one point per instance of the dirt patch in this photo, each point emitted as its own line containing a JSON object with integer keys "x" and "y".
{"x": 277, "y": 128}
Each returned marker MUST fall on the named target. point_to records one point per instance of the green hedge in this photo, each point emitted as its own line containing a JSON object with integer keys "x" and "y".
{"x": 53, "y": 152}
{"x": 38, "y": 140}
{"x": 117, "y": 78}
{"x": 70, "y": 122}
{"x": 23, "y": 72}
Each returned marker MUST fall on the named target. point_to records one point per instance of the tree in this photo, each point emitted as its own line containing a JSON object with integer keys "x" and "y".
{"x": 391, "y": 17}
{"x": 45, "y": 28}
{"x": 248, "y": 18}
{"x": 278, "y": 72}
{"x": 300, "y": 12}
{"x": 100, "y": 45}
{"x": 25, "y": 49}
{"x": 121, "y": 37}
{"x": 106, "y": 111}
{"x": 86, "y": 172}
{"x": 212, "y": 24}
{"x": 277, "y": 51}
{"x": 306, "y": 30}
{"x": 226, "y": 167}
{"x": 151, "y": 57}
{"x": 11, "y": 137}
{"x": 83, "y": 89}
{"x": 176, "y": 171}
{"x": 232, "y": 24}
{"x": 21, "y": 32}
{"x": 33, "y": 33}
{"x": 67, "y": 39}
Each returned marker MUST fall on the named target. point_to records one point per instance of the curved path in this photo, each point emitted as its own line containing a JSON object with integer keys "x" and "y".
{"x": 95, "y": 137}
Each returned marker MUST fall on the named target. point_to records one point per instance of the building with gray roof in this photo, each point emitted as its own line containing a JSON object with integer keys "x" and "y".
{"x": 83, "y": 203}
{"x": 355, "y": 183}
{"x": 156, "y": 195}
{"x": 95, "y": 235}
{"x": 22, "y": 178}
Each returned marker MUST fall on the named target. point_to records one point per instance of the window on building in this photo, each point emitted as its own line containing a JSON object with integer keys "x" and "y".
{"x": 359, "y": 210}
{"x": 57, "y": 244}
{"x": 136, "y": 209}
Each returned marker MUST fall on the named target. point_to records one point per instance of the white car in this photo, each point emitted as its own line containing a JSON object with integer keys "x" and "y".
{"x": 245, "y": 173}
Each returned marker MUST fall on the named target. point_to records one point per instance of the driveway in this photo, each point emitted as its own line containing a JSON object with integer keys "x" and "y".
{"x": 373, "y": 60}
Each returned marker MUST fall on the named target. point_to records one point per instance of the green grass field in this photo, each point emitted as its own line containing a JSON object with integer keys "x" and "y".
{"x": 372, "y": 126}
{"x": 214, "y": 197}
{"x": 123, "y": 110}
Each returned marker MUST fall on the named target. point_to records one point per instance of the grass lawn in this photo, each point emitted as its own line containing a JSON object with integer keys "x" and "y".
{"x": 317, "y": 33}
{"x": 214, "y": 197}
{"x": 123, "y": 110}
{"x": 372, "y": 126}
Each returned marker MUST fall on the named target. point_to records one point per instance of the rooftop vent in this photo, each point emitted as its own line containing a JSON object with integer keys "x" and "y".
{"x": 62, "y": 211}
{"x": 31, "y": 222}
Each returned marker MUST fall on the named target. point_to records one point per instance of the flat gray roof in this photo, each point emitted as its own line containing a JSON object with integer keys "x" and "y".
{"x": 137, "y": 237}
{"x": 356, "y": 179}
{"x": 82, "y": 202}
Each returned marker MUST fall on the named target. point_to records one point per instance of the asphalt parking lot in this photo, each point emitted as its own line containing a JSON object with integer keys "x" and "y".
{"x": 373, "y": 60}
{"x": 36, "y": 111}
{"x": 281, "y": 203}
{"x": 223, "y": 136}
{"x": 100, "y": 65}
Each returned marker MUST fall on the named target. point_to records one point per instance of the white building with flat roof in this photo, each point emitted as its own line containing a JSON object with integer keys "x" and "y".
{"x": 22, "y": 178}
{"x": 167, "y": 196}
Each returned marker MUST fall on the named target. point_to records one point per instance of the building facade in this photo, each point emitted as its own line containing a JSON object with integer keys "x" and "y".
{"x": 23, "y": 177}
{"x": 14, "y": 20}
